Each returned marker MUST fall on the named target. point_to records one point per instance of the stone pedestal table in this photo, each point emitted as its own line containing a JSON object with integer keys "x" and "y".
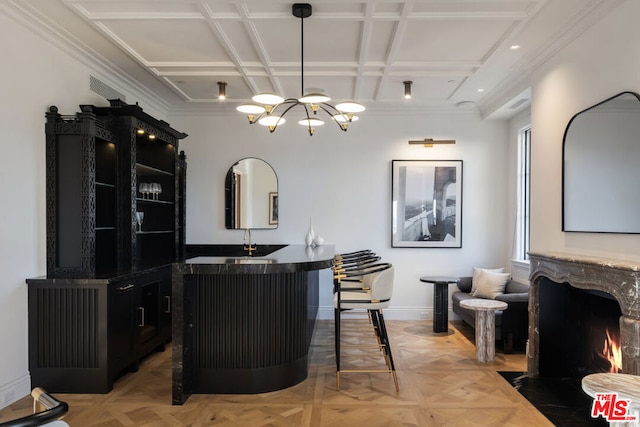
{"x": 485, "y": 325}
{"x": 626, "y": 386}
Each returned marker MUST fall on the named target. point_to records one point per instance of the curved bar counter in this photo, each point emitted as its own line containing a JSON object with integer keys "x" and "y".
{"x": 244, "y": 324}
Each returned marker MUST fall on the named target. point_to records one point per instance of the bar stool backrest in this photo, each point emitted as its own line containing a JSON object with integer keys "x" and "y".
{"x": 361, "y": 262}
{"x": 382, "y": 284}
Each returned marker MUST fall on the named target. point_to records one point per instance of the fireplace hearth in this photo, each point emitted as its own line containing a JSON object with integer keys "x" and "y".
{"x": 567, "y": 293}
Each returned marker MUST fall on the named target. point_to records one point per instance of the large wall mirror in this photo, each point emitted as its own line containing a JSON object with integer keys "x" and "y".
{"x": 251, "y": 195}
{"x": 601, "y": 168}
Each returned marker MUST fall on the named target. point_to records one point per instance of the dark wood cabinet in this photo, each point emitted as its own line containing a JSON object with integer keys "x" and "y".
{"x": 82, "y": 187}
{"x": 98, "y": 161}
{"x": 106, "y": 299}
{"x": 85, "y": 333}
{"x": 182, "y": 204}
{"x": 122, "y": 301}
{"x": 165, "y": 307}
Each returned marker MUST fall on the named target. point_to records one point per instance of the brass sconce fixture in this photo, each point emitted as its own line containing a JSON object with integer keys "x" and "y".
{"x": 430, "y": 142}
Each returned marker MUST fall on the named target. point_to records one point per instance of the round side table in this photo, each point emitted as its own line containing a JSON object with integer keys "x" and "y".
{"x": 485, "y": 325}
{"x": 440, "y": 300}
{"x": 626, "y": 386}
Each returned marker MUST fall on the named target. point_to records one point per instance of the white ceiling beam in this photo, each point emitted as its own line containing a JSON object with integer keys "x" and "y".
{"x": 396, "y": 40}
{"x": 252, "y": 31}
{"x": 365, "y": 41}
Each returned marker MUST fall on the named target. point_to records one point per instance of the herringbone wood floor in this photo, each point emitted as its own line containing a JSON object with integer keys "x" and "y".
{"x": 441, "y": 384}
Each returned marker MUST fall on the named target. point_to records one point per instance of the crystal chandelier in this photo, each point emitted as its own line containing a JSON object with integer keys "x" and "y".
{"x": 269, "y": 109}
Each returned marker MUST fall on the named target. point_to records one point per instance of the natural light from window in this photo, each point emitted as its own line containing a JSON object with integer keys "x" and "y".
{"x": 524, "y": 184}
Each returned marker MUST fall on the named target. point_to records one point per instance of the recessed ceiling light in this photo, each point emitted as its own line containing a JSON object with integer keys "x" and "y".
{"x": 465, "y": 104}
{"x": 407, "y": 88}
{"x": 480, "y": 90}
{"x": 515, "y": 47}
{"x": 222, "y": 90}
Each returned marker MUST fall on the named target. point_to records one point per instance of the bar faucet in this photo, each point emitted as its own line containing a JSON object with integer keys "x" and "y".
{"x": 248, "y": 248}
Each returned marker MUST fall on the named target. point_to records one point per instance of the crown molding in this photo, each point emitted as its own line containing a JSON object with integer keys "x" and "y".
{"x": 48, "y": 30}
{"x": 521, "y": 77}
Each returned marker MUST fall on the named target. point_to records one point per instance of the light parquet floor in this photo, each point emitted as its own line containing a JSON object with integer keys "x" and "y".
{"x": 441, "y": 384}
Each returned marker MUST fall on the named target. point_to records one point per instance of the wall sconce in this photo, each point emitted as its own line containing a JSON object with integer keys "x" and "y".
{"x": 222, "y": 90}
{"x": 429, "y": 142}
{"x": 407, "y": 88}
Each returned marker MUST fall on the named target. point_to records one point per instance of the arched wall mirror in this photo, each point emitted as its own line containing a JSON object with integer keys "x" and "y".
{"x": 251, "y": 195}
{"x": 601, "y": 168}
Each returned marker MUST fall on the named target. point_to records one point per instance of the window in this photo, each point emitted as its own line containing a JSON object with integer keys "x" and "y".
{"x": 524, "y": 184}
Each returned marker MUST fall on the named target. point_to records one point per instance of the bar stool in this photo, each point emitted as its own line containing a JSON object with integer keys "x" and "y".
{"x": 353, "y": 263}
{"x": 378, "y": 278}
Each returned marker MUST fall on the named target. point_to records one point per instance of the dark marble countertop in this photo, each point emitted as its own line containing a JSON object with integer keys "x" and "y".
{"x": 291, "y": 258}
{"x": 102, "y": 279}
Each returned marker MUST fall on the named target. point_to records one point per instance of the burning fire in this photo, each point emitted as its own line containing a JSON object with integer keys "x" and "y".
{"x": 611, "y": 352}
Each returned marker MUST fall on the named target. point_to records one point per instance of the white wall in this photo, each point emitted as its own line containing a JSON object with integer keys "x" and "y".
{"x": 341, "y": 182}
{"x": 601, "y": 63}
{"x": 35, "y": 80}
{"x": 35, "y": 75}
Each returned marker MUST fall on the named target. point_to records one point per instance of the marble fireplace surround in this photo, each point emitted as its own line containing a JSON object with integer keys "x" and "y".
{"x": 619, "y": 278}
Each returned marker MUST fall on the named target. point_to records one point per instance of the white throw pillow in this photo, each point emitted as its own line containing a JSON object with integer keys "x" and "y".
{"x": 476, "y": 275}
{"x": 491, "y": 284}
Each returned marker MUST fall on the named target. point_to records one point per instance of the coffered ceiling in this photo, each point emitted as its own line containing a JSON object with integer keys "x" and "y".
{"x": 457, "y": 52}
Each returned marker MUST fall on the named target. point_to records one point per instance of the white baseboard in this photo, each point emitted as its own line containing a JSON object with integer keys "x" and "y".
{"x": 406, "y": 313}
{"x": 15, "y": 390}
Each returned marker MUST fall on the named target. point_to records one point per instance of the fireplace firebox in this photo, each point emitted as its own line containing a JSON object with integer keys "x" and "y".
{"x": 583, "y": 305}
{"x": 579, "y": 331}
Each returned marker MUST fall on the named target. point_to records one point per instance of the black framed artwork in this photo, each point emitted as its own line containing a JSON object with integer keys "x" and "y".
{"x": 426, "y": 203}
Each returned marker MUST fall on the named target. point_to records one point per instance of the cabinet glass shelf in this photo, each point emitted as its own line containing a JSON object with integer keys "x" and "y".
{"x": 155, "y": 232}
{"x": 161, "y": 202}
{"x": 105, "y": 184}
{"x": 144, "y": 170}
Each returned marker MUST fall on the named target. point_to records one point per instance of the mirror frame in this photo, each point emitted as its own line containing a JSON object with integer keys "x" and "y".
{"x": 273, "y": 223}
{"x": 565, "y": 227}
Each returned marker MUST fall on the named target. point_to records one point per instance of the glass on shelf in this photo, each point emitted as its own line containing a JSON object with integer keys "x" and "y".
{"x": 154, "y": 190}
{"x": 144, "y": 189}
{"x": 150, "y": 191}
{"x": 139, "y": 219}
